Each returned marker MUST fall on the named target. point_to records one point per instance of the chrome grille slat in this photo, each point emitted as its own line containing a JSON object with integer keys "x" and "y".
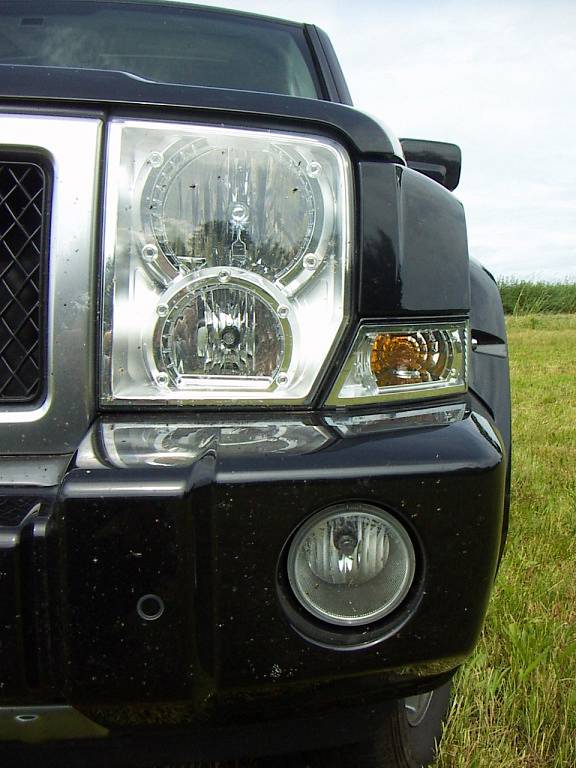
{"x": 54, "y": 420}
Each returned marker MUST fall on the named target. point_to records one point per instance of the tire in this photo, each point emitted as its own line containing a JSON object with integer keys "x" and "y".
{"x": 408, "y": 737}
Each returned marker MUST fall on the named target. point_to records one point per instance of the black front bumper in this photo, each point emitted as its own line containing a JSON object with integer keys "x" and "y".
{"x": 199, "y": 516}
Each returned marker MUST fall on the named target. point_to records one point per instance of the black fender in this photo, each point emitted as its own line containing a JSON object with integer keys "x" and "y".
{"x": 413, "y": 246}
{"x": 489, "y": 373}
{"x": 489, "y": 369}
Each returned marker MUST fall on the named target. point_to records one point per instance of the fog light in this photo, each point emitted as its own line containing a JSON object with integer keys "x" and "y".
{"x": 351, "y": 564}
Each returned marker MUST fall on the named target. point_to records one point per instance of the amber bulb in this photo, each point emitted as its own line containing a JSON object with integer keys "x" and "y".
{"x": 396, "y": 359}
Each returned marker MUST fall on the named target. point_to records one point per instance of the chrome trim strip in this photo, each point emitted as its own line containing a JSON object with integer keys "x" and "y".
{"x": 37, "y": 724}
{"x": 33, "y": 471}
{"x": 58, "y": 424}
{"x": 106, "y": 489}
{"x": 352, "y": 425}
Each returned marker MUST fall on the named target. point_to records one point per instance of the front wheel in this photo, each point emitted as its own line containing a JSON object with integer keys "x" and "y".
{"x": 408, "y": 737}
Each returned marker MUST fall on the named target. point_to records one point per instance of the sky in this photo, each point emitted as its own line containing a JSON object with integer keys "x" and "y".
{"x": 496, "y": 78}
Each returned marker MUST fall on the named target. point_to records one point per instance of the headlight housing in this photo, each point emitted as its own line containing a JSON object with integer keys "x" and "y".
{"x": 227, "y": 255}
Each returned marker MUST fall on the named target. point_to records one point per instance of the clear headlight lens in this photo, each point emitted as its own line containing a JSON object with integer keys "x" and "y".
{"x": 351, "y": 564}
{"x": 210, "y": 205}
{"x": 222, "y": 326}
{"x": 404, "y": 362}
{"x": 224, "y": 248}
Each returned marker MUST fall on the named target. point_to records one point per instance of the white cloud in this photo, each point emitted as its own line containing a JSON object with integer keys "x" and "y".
{"x": 496, "y": 78}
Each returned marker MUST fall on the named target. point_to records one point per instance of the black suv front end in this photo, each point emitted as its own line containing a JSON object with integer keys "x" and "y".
{"x": 167, "y": 586}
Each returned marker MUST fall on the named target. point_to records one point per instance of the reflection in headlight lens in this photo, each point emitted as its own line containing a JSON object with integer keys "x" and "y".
{"x": 251, "y": 208}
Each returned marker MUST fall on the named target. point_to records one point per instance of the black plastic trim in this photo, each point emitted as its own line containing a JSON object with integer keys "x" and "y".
{"x": 22, "y": 84}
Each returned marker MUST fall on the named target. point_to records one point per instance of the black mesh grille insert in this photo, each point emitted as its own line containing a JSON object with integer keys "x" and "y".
{"x": 14, "y": 509}
{"x": 23, "y": 220}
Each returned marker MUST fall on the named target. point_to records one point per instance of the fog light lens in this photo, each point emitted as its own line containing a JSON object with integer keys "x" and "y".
{"x": 351, "y": 564}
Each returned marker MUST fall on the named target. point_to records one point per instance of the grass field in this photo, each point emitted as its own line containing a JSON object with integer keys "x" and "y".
{"x": 515, "y": 701}
{"x": 525, "y": 297}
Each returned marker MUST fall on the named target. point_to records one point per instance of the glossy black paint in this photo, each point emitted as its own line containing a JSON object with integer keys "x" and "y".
{"x": 33, "y": 86}
{"x": 24, "y": 642}
{"x": 328, "y": 65}
{"x": 438, "y": 160}
{"x": 489, "y": 369}
{"x": 413, "y": 246}
{"x": 208, "y": 536}
{"x": 11, "y": 646}
{"x": 490, "y": 378}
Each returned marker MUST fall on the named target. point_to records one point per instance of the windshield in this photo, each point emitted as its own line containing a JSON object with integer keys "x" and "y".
{"x": 178, "y": 44}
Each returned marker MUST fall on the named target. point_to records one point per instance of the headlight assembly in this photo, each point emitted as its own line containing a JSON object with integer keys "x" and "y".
{"x": 226, "y": 263}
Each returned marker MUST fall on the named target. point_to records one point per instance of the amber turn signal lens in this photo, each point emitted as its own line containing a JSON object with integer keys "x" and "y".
{"x": 395, "y": 358}
{"x": 396, "y": 362}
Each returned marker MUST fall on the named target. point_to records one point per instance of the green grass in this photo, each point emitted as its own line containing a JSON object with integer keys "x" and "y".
{"x": 515, "y": 700}
{"x": 524, "y": 297}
